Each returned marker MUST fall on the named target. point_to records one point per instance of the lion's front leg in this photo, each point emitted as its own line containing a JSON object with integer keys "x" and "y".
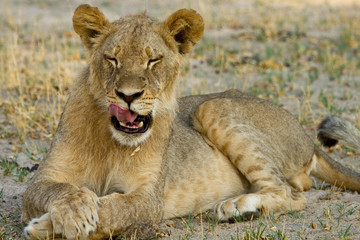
{"x": 133, "y": 214}
{"x": 81, "y": 217}
{"x": 73, "y": 215}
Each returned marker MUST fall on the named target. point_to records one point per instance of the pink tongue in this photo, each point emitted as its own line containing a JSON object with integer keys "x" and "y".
{"x": 122, "y": 114}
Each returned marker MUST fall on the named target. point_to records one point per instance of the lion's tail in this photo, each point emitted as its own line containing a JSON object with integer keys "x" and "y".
{"x": 330, "y": 171}
{"x": 334, "y": 129}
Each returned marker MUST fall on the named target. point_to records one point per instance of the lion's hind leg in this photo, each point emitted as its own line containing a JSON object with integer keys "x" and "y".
{"x": 301, "y": 182}
{"x": 246, "y": 147}
{"x": 277, "y": 201}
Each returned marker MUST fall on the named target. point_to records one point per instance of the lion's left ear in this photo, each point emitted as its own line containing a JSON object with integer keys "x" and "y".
{"x": 186, "y": 27}
{"x": 89, "y": 23}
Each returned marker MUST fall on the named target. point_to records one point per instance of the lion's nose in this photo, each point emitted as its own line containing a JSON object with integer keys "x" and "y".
{"x": 129, "y": 98}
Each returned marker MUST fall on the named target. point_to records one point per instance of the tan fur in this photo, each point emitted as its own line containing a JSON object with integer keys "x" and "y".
{"x": 237, "y": 154}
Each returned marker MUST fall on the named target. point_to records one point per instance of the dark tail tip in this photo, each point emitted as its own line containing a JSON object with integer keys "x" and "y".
{"x": 323, "y": 136}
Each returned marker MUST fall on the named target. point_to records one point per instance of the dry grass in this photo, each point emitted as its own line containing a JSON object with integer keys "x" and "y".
{"x": 303, "y": 55}
{"x": 36, "y": 73}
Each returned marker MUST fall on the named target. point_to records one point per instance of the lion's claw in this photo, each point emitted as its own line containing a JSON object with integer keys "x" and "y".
{"x": 72, "y": 217}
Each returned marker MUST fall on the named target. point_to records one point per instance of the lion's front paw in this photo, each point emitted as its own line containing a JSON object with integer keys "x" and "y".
{"x": 72, "y": 217}
{"x": 39, "y": 228}
{"x": 75, "y": 216}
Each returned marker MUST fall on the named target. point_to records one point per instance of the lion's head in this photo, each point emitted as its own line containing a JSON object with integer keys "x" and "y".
{"x": 134, "y": 63}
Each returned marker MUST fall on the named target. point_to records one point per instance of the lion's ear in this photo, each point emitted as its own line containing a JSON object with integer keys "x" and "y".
{"x": 89, "y": 23}
{"x": 186, "y": 26}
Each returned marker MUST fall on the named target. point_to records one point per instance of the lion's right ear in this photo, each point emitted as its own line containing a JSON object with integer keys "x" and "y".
{"x": 90, "y": 24}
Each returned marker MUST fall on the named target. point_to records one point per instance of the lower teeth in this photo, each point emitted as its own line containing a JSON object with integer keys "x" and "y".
{"x": 129, "y": 126}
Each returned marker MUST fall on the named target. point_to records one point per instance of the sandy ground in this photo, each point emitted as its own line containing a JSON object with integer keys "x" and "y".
{"x": 329, "y": 214}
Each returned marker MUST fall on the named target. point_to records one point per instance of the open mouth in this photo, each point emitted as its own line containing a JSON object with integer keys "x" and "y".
{"x": 140, "y": 125}
{"x": 127, "y": 121}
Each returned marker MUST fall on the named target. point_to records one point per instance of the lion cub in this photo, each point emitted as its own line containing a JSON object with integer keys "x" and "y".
{"x": 127, "y": 153}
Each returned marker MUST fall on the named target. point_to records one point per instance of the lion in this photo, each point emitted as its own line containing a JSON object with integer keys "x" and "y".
{"x": 127, "y": 153}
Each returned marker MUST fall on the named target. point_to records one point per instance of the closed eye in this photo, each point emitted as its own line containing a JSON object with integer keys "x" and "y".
{"x": 154, "y": 61}
{"x": 114, "y": 61}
